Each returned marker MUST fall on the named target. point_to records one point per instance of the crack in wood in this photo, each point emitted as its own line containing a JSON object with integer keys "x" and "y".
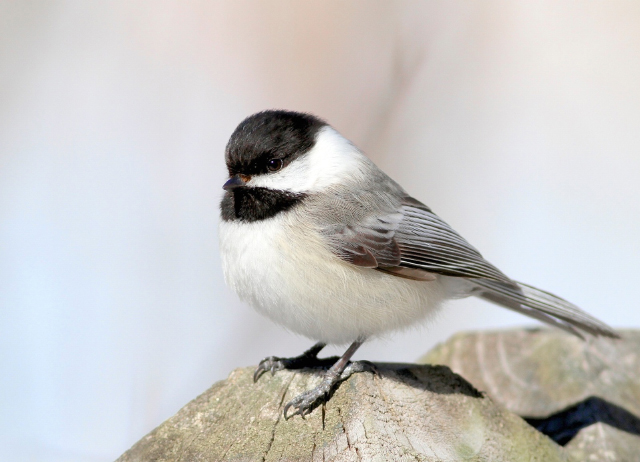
{"x": 278, "y": 418}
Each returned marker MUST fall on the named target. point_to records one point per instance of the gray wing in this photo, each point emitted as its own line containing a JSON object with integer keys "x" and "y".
{"x": 410, "y": 241}
{"x": 429, "y": 244}
{"x": 369, "y": 243}
{"x": 413, "y": 242}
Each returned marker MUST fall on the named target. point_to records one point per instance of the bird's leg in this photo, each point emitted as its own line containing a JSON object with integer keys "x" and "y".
{"x": 341, "y": 370}
{"x": 307, "y": 359}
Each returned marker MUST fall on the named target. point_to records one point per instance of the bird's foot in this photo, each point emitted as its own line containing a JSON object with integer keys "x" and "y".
{"x": 306, "y": 402}
{"x": 308, "y": 359}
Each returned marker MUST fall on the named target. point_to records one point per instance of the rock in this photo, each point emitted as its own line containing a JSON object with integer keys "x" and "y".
{"x": 588, "y": 393}
{"x": 541, "y": 372}
{"x": 602, "y": 443}
{"x": 408, "y": 413}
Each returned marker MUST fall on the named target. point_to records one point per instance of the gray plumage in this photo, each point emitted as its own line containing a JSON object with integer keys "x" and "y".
{"x": 372, "y": 222}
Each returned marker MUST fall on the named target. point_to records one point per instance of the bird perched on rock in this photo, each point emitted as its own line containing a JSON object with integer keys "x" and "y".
{"x": 317, "y": 238}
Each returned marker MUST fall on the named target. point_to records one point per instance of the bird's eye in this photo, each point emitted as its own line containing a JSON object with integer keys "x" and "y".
{"x": 274, "y": 165}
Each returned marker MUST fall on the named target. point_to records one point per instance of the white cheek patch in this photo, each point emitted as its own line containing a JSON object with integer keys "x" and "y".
{"x": 294, "y": 177}
{"x": 332, "y": 160}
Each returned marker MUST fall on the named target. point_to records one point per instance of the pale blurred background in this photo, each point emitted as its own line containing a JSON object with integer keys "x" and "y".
{"x": 519, "y": 124}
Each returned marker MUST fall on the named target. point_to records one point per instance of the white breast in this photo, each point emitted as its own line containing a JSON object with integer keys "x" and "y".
{"x": 286, "y": 273}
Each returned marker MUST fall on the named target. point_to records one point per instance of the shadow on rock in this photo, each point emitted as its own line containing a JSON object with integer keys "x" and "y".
{"x": 564, "y": 425}
{"x": 433, "y": 378}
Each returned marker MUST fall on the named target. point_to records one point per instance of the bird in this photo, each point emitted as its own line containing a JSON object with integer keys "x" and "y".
{"x": 317, "y": 238}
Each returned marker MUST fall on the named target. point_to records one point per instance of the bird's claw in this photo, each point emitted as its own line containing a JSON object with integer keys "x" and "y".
{"x": 271, "y": 363}
{"x": 305, "y": 402}
{"x": 307, "y": 359}
{"x": 359, "y": 366}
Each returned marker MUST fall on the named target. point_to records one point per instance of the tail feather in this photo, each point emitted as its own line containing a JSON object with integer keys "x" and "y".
{"x": 543, "y": 306}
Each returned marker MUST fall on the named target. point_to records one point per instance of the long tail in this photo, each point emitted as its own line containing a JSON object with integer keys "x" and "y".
{"x": 541, "y": 305}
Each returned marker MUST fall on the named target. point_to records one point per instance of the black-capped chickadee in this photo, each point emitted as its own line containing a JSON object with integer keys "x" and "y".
{"x": 317, "y": 238}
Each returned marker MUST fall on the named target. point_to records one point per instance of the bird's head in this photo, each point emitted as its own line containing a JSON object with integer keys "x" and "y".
{"x": 276, "y": 158}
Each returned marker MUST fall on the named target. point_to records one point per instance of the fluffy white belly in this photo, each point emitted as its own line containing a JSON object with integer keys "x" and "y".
{"x": 286, "y": 273}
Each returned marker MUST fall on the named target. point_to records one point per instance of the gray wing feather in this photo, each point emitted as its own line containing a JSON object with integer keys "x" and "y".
{"x": 410, "y": 236}
{"x": 413, "y": 242}
{"x": 428, "y": 243}
{"x": 369, "y": 243}
{"x": 542, "y": 305}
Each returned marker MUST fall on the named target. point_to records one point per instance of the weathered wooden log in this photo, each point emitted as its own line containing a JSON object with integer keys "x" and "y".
{"x": 414, "y": 412}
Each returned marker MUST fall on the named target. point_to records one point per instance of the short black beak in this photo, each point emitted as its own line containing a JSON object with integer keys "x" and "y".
{"x": 234, "y": 182}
